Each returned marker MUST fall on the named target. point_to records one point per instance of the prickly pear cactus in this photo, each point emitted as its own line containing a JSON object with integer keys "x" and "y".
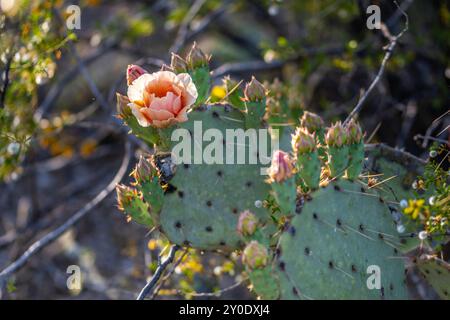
{"x": 341, "y": 232}
{"x": 314, "y": 228}
{"x": 203, "y": 206}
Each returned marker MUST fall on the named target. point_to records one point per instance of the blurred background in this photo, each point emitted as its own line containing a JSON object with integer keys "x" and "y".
{"x": 60, "y": 145}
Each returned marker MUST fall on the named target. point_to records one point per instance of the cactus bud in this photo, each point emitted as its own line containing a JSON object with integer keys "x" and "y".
{"x": 354, "y": 132}
{"x": 125, "y": 195}
{"x": 144, "y": 170}
{"x": 336, "y": 135}
{"x": 196, "y": 58}
{"x": 281, "y": 167}
{"x": 311, "y": 121}
{"x": 255, "y": 256}
{"x": 134, "y": 72}
{"x": 254, "y": 91}
{"x": 178, "y": 64}
{"x": 247, "y": 223}
{"x": 303, "y": 141}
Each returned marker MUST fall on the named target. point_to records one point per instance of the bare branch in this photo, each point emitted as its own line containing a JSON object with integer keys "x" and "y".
{"x": 169, "y": 274}
{"x": 260, "y": 65}
{"x": 387, "y": 56}
{"x": 148, "y": 288}
{"x": 184, "y": 26}
{"x": 56, "y": 233}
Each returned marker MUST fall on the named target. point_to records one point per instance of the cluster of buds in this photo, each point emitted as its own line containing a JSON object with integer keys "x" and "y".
{"x": 254, "y": 91}
{"x": 354, "y": 132}
{"x": 196, "y": 58}
{"x": 311, "y": 121}
{"x": 336, "y": 135}
{"x": 255, "y": 255}
{"x": 247, "y": 223}
{"x": 281, "y": 167}
{"x": 303, "y": 141}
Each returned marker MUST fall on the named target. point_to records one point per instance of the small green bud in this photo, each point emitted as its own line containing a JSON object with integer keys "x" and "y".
{"x": 254, "y": 91}
{"x": 196, "y": 58}
{"x": 311, "y": 121}
{"x": 247, "y": 223}
{"x": 255, "y": 255}
{"x": 178, "y": 64}
{"x": 303, "y": 141}
{"x": 125, "y": 196}
{"x": 336, "y": 135}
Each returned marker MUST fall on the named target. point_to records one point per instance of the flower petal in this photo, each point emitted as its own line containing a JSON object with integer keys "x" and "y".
{"x": 141, "y": 118}
{"x": 189, "y": 86}
{"x": 158, "y": 114}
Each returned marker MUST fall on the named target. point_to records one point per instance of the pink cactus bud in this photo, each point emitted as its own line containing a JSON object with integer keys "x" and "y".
{"x": 247, "y": 223}
{"x": 311, "y": 121}
{"x": 303, "y": 141}
{"x": 178, "y": 64}
{"x": 281, "y": 167}
{"x": 254, "y": 91}
{"x": 144, "y": 169}
{"x": 134, "y": 72}
{"x": 354, "y": 132}
{"x": 336, "y": 135}
{"x": 255, "y": 255}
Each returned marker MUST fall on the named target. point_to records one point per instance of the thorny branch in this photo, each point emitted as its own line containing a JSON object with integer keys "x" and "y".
{"x": 389, "y": 50}
{"x": 148, "y": 288}
{"x": 56, "y": 233}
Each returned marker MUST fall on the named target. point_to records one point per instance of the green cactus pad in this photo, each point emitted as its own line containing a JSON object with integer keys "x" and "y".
{"x": 203, "y": 204}
{"x": 437, "y": 274}
{"x": 399, "y": 169}
{"x": 326, "y": 251}
{"x": 394, "y": 163}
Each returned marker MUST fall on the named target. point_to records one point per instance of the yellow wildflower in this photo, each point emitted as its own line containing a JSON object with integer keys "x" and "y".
{"x": 218, "y": 93}
{"x": 414, "y": 208}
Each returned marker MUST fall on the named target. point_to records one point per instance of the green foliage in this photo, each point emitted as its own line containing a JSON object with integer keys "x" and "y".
{"x": 30, "y": 43}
